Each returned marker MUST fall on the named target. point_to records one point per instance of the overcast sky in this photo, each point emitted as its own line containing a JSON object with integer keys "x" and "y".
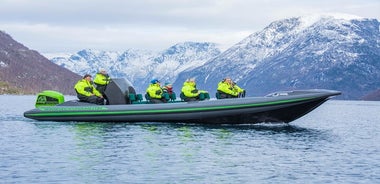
{"x": 51, "y": 26}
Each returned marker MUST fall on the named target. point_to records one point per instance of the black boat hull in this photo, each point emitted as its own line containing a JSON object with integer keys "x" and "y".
{"x": 277, "y": 107}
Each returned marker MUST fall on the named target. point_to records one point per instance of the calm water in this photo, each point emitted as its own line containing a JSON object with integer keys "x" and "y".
{"x": 337, "y": 143}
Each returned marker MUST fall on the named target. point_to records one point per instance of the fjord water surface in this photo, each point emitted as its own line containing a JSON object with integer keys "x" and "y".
{"x": 336, "y": 143}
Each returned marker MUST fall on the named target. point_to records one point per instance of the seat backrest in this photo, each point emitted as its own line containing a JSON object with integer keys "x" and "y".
{"x": 217, "y": 95}
{"x": 139, "y": 97}
{"x": 147, "y": 97}
{"x": 207, "y": 96}
{"x": 202, "y": 96}
{"x": 166, "y": 96}
{"x": 182, "y": 96}
{"x": 173, "y": 96}
{"x": 132, "y": 97}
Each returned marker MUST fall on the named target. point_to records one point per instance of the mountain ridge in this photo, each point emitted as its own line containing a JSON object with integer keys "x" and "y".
{"x": 328, "y": 53}
{"x": 141, "y": 66}
{"x": 296, "y": 53}
{"x": 25, "y": 71}
{"x": 319, "y": 51}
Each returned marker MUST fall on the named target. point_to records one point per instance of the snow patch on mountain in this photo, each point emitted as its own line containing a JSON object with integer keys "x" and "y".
{"x": 140, "y": 66}
{"x": 333, "y": 51}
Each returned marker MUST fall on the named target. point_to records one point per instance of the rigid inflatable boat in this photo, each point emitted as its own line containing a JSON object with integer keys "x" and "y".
{"x": 127, "y": 106}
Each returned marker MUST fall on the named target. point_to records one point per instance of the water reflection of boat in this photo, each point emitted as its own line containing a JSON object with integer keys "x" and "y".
{"x": 126, "y": 106}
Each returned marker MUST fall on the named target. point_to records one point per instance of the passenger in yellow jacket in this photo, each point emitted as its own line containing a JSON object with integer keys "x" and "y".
{"x": 155, "y": 93}
{"x": 236, "y": 88}
{"x": 190, "y": 92}
{"x": 228, "y": 89}
{"x": 101, "y": 80}
{"x": 86, "y": 92}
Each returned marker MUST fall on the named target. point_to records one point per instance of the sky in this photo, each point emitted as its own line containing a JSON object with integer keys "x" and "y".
{"x": 67, "y": 26}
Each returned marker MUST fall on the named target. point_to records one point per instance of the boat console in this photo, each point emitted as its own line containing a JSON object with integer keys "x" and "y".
{"x": 118, "y": 91}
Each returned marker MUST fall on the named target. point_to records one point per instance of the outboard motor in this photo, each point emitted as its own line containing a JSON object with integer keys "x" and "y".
{"x": 49, "y": 98}
{"x": 118, "y": 90}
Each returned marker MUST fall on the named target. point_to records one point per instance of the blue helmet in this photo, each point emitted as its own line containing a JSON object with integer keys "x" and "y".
{"x": 154, "y": 81}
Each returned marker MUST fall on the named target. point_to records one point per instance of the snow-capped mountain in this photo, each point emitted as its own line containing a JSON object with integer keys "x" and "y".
{"x": 340, "y": 52}
{"x": 328, "y": 51}
{"x": 140, "y": 66}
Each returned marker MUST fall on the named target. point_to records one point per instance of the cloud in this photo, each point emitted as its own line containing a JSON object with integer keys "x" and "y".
{"x": 70, "y": 25}
{"x": 59, "y": 39}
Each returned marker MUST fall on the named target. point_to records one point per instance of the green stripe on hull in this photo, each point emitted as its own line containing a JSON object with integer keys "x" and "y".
{"x": 155, "y": 111}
